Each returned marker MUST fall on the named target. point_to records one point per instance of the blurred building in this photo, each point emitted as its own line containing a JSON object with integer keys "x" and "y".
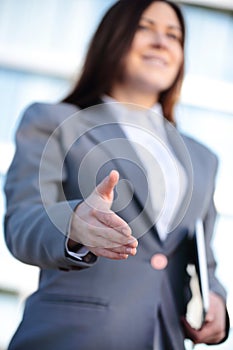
{"x": 42, "y": 45}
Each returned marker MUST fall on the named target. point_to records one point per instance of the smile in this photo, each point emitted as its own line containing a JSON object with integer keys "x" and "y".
{"x": 155, "y": 61}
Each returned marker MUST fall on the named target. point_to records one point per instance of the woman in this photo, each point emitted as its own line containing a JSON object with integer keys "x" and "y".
{"x": 113, "y": 265}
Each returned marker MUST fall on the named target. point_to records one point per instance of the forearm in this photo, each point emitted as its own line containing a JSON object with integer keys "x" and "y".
{"x": 37, "y": 236}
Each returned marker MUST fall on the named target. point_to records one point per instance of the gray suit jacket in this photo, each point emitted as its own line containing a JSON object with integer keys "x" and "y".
{"x": 99, "y": 303}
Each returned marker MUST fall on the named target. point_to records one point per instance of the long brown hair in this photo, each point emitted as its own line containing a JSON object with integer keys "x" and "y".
{"x": 109, "y": 45}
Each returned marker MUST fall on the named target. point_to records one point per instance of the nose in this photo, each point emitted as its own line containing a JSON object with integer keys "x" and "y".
{"x": 159, "y": 40}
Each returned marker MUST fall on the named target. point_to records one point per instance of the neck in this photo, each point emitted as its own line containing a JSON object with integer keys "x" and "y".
{"x": 122, "y": 94}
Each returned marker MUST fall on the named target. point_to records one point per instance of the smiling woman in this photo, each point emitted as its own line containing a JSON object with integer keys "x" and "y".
{"x": 154, "y": 59}
{"x": 87, "y": 203}
{"x": 102, "y": 68}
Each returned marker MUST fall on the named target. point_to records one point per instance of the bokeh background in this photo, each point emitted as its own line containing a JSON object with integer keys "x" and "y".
{"x": 42, "y": 45}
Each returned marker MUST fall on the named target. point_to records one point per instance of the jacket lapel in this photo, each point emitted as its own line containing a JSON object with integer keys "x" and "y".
{"x": 116, "y": 152}
{"x": 198, "y": 190}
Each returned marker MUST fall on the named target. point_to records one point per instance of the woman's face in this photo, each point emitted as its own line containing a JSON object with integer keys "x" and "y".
{"x": 156, "y": 54}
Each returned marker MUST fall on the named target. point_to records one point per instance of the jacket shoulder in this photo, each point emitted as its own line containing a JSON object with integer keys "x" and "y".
{"x": 205, "y": 155}
{"x": 47, "y": 113}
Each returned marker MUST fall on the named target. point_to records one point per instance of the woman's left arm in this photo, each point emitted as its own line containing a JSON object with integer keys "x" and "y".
{"x": 216, "y": 326}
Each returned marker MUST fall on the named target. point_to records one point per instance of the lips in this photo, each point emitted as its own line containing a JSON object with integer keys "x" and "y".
{"x": 155, "y": 60}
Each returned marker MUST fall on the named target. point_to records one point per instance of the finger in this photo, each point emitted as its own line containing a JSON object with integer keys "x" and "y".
{"x": 190, "y": 332}
{"x": 209, "y": 317}
{"x": 96, "y": 234}
{"x": 106, "y": 253}
{"x": 125, "y": 250}
{"x": 207, "y": 334}
{"x": 112, "y": 220}
{"x": 113, "y": 238}
{"x": 211, "y": 333}
{"x": 107, "y": 237}
{"x": 105, "y": 188}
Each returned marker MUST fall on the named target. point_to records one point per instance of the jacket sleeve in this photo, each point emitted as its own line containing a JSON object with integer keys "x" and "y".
{"x": 38, "y": 214}
{"x": 209, "y": 222}
{"x": 214, "y": 283}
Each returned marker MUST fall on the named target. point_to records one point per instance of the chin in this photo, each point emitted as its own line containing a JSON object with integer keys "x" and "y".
{"x": 158, "y": 85}
{"x": 155, "y": 88}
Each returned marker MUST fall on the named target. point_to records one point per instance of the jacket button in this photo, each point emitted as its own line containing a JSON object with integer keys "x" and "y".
{"x": 159, "y": 261}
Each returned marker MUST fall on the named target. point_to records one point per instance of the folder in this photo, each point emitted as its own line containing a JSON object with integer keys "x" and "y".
{"x": 199, "y": 305}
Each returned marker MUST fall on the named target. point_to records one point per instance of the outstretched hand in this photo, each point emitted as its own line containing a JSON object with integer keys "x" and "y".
{"x": 98, "y": 228}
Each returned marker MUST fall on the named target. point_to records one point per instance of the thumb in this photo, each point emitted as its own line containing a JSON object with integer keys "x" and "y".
{"x": 106, "y": 187}
{"x": 209, "y": 317}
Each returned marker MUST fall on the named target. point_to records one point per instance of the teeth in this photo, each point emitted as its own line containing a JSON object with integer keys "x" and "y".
{"x": 156, "y": 61}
